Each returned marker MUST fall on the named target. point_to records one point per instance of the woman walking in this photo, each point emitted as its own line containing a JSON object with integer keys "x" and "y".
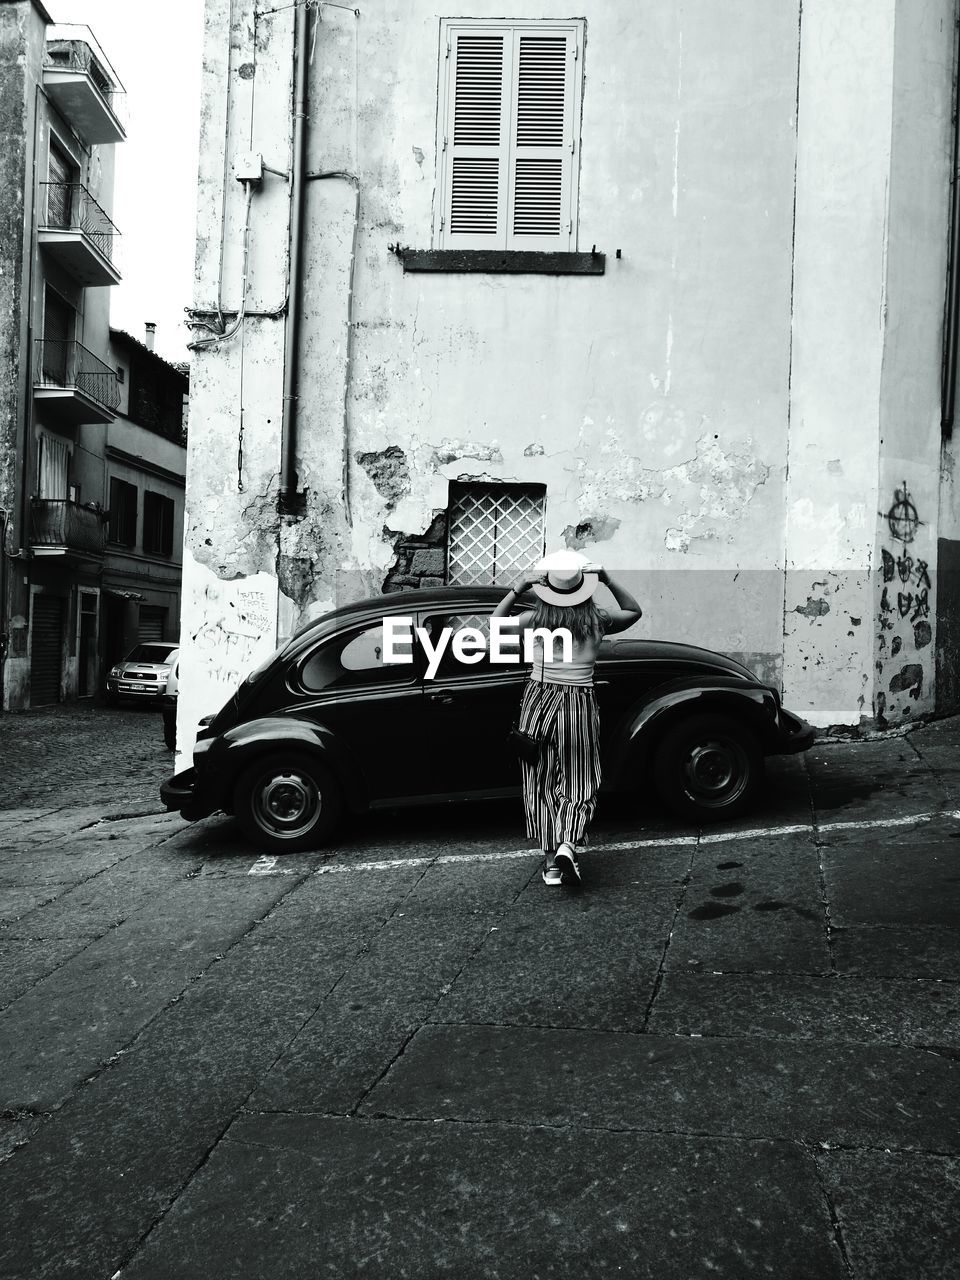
{"x": 560, "y": 707}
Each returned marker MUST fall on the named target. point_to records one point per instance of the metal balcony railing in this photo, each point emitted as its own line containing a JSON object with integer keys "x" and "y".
{"x": 69, "y": 206}
{"x": 70, "y": 365}
{"x": 57, "y": 522}
{"x": 74, "y": 47}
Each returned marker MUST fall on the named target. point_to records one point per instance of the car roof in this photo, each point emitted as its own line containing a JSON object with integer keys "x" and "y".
{"x": 403, "y": 602}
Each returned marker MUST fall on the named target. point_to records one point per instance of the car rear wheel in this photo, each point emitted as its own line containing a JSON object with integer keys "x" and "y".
{"x": 707, "y": 768}
{"x": 287, "y": 802}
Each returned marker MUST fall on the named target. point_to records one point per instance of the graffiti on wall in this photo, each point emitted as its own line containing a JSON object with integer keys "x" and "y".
{"x": 905, "y": 604}
{"x": 237, "y": 631}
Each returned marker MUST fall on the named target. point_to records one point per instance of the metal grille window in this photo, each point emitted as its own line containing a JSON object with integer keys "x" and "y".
{"x": 495, "y": 531}
{"x": 509, "y": 121}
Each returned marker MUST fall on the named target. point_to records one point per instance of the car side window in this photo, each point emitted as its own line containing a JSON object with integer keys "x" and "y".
{"x": 452, "y": 667}
{"x": 355, "y": 659}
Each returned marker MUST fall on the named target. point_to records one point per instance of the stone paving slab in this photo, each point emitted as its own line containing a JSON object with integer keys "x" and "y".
{"x": 67, "y": 1025}
{"x": 914, "y": 880}
{"x": 753, "y": 905}
{"x": 892, "y": 951}
{"x": 489, "y": 887}
{"x": 18, "y": 902}
{"x": 739, "y": 1088}
{"x": 24, "y": 961}
{"x": 548, "y": 969}
{"x": 899, "y": 1012}
{"x": 413, "y": 960}
{"x": 99, "y": 902}
{"x": 622, "y": 880}
{"x": 328, "y": 1197}
{"x": 99, "y": 1172}
{"x": 898, "y": 1213}
{"x": 876, "y": 779}
{"x": 390, "y": 989}
{"x": 322, "y": 898}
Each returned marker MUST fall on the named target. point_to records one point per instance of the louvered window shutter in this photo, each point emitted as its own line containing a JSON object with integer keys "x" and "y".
{"x": 509, "y": 158}
{"x": 541, "y": 162}
{"x": 476, "y": 139}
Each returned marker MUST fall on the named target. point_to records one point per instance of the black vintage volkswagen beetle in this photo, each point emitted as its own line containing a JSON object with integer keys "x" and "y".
{"x": 326, "y": 726}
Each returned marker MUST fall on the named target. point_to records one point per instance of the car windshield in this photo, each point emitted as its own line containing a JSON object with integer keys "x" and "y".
{"x": 151, "y": 653}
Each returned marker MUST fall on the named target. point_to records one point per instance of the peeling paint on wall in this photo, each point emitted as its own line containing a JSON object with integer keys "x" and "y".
{"x": 711, "y": 488}
{"x": 591, "y": 529}
{"x": 813, "y": 608}
{"x": 389, "y": 471}
{"x": 452, "y": 450}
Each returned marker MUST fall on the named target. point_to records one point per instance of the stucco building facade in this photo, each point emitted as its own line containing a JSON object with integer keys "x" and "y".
{"x": 666, "y": 283}
{"x": 77, "y": 581}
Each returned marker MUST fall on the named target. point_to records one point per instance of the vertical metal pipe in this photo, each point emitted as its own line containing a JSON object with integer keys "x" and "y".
{"x": 952, "y": 327}
{"x": 291, "y": 365}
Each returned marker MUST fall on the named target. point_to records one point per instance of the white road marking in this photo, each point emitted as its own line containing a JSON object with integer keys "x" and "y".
{"x": 266, "y": 866}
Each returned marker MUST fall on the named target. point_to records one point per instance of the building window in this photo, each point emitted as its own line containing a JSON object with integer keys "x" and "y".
{"x": 495, "y": 531}
{"x": 157, "y": 524}
{"x": 123, "y": 512}
{"x": 121, "y": 374}
{"x": 53, "y": 467}
{"x": 509, "y": 124}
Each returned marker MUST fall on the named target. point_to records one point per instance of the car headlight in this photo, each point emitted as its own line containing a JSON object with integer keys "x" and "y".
{"x": 114, "y": 671}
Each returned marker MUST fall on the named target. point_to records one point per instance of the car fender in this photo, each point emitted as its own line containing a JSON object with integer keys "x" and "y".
{"x": 647, "y": 720}
{"x": 238, "y": 747}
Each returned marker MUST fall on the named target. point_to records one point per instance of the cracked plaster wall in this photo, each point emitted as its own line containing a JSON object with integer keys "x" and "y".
{"x": 653, "y": 402}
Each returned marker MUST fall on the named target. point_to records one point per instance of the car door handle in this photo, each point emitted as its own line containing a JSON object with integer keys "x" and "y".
{"x": 443, "y": 699}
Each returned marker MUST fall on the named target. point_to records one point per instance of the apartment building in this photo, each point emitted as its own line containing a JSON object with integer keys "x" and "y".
{"x": 70, "y": 577}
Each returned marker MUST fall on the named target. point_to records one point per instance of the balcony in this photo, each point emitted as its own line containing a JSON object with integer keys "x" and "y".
{"x": 77, "y": 233}
{"x": 59, "y": 527}
{"x": 80, "y": 81}
{"x": 72, "y": 385}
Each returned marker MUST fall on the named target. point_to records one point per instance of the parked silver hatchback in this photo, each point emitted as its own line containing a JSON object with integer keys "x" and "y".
{"x": 142, "y": 675}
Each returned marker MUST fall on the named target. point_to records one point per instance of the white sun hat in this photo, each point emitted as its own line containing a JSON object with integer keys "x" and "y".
{"x": 567, "y": 582}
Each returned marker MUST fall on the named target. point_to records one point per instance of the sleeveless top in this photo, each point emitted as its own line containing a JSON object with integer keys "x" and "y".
{"x": 579, "y": 671}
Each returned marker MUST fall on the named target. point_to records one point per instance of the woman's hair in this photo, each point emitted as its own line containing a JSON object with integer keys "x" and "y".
{"x": 585, "y": 621}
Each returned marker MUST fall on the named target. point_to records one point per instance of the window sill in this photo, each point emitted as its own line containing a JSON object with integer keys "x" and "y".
{"x": 502, "y": 261}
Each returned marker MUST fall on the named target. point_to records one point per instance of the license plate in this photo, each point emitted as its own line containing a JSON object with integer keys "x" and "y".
{"x": 138, "y": 686}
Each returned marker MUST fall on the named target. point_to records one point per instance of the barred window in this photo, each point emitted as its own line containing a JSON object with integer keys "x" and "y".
{"x": 495, "y": 531}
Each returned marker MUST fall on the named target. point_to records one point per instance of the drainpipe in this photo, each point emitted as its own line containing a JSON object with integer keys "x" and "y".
{"x": 949, "y": 399}
{"x": 288, "y": 500}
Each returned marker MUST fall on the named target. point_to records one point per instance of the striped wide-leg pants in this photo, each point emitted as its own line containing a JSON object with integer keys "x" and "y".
{"x": 560, "y": 790}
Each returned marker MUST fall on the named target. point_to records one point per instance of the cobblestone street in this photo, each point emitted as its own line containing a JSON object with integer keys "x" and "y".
{"x": 735, "y": 1052}
{"x": 78, "y": 752}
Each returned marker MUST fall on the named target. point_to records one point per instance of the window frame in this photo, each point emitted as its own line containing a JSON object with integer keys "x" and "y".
{"x": 510, "y": 244}
{"x": 163, "y": 501}
{"x": 458, "y": 491}
{"x": 408, "y": 673}
{"x": 112, "y": 525}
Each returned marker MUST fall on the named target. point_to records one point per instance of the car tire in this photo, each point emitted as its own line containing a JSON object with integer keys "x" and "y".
{"x": 286, "y": 802}
{"x": 707, "y": 768}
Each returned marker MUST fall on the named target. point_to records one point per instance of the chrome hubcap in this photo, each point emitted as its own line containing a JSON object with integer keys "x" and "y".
{"x": 716, "y": 772}
{"x": 287, "y": 804}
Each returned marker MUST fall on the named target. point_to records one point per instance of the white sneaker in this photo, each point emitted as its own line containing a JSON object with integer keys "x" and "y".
{"x": 566, "y": 860}
{"x": 551, "y": 874}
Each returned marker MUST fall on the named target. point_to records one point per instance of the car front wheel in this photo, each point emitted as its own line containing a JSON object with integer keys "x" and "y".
{"x": 707, "y": 768}
{"x": 287, "y": 802}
